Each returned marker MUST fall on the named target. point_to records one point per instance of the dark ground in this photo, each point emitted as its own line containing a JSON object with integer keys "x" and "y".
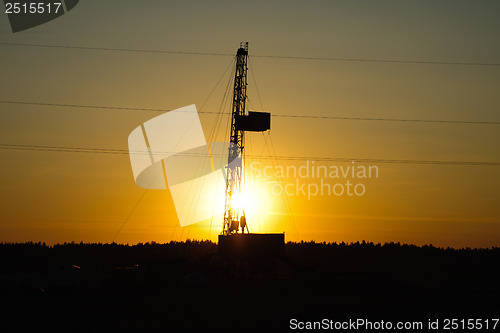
{"x": 189, "y": 287}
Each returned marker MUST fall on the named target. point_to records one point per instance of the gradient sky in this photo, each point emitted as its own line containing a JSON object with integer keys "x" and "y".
{"x": 61, "y": 197}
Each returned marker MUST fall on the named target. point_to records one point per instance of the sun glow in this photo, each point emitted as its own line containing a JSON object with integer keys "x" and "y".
{"x": 254, "y": 200}
{"x": 237, "y": 201}
{"x": 255, "y": 203}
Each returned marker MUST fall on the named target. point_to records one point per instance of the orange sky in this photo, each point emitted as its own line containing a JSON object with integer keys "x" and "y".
{"x": 63, "y": 197}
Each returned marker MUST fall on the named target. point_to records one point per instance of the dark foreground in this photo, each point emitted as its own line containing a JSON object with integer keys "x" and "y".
{"x": 188, "y": 287}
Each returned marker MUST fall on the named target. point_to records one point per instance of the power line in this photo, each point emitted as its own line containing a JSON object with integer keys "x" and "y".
{"x": 395, "y": 61}
{"x": 395, "y": 119}
{"x": 471, "y": 122}
{"x": 64, "y": 149}
{"x": 385, "y": 161}
{"x": 116, "y": 49}
{"x": 268, "y": 157}
{"x": 86, "y": 106}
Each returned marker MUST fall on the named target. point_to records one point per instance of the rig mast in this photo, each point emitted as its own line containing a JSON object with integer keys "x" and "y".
{"x": 233, "y": 218}
{"x": 241, "y": 122}
{"x": 234, "y": 244}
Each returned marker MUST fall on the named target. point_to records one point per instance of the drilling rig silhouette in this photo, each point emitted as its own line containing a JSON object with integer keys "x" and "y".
{"x": 236, "y": 243}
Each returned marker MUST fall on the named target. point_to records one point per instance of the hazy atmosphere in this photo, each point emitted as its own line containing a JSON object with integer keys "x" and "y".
{"x": 408, "y": 90}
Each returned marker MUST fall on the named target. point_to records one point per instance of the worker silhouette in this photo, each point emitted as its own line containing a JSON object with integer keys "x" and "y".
{"x": 243, "y": 222}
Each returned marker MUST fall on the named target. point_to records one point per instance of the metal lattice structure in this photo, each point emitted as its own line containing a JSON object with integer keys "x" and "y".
{"x": 234, "y": 218}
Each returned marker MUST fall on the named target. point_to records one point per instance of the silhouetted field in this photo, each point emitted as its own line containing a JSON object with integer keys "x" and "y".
{"x": 183, "y": 286}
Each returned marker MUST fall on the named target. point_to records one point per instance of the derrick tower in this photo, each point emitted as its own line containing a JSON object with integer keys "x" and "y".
{"x": 241, "y": 122}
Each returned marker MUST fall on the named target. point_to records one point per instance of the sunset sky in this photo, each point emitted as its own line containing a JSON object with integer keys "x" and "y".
{"x": 432, "y": 46}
